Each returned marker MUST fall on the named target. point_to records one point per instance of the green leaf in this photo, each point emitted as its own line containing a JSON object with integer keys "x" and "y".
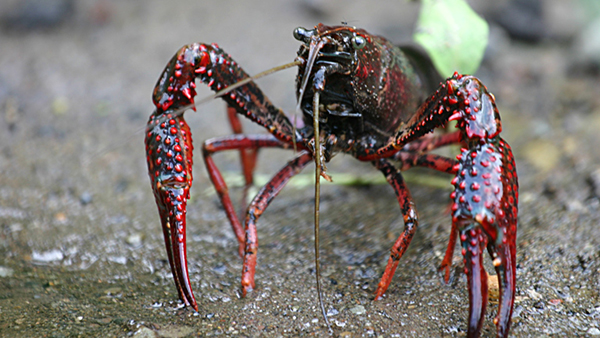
{"x": 453, "y": 35}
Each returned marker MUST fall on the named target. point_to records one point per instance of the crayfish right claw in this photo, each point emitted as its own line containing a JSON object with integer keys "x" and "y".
{"x": 169, "y": 158}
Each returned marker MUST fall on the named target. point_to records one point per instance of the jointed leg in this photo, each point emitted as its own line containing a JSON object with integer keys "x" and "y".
{"x": 416, "y": 153}
{"x": 407, "y": 207}
{"x": 247, "y": 156}
{"x": 243, "y": 143}
{"x": 411, "y": 159}
{"x": 447, "y": 261}
{"x": 258, "y": 205}
{"x": 412, "y": 156}
{"x": 428, "y": 143}
{"x": 432, "y": 161}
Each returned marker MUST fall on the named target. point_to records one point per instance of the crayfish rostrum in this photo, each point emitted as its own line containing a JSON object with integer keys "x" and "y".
{"x": 359, "y": 95}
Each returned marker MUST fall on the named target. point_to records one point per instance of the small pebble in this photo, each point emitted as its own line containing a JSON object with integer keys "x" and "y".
{"x": 118, "y": 259}
{"x": 6, "y": 272}
{"x": 134, "y": 240}
{"x": 220, "y": 269}
{"x": 85, "y": 198}
{"x": 332, "y": 312}
{"x": 175, "y": 331}
{"x": 112, "y": 291}
{"x": 534, "y": 294}
{"x": 144, "y": 332}
{"x": 47, "y": 256}
{"x": 593, "y": 331}
{"x": 358, "y": 310}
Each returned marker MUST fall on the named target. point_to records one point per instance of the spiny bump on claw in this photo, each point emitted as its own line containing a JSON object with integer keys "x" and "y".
{"x": 457, "y": 115}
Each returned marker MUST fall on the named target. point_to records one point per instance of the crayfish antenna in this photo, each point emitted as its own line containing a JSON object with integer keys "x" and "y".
{"x": 315, "y": 46}
{"x": 317, "y": 156}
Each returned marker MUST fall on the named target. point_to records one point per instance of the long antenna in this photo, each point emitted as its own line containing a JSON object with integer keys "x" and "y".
{"x": 313, "y": 52}
{"x": 317, "y": 156}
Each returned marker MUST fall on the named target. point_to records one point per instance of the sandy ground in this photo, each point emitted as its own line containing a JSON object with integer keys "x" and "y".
{"x": 80, "y": 241}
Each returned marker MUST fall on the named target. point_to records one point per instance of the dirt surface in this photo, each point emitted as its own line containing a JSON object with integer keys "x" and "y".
{"x": 81, "y": 249}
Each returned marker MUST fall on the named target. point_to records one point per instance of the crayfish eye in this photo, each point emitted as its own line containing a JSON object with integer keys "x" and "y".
{"x": 301, "y": 34}
{"x": 358, "y": 42}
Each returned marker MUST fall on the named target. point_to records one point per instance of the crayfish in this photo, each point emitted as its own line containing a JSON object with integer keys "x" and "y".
{"x": 358, "y": 95}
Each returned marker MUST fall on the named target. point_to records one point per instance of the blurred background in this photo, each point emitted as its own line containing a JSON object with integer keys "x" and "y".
{"x": 81, "y": 249}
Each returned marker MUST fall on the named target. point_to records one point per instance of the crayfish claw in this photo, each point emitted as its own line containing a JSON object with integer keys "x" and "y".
{"x": 485, "y": 214}
{"x": 169, "y": 159}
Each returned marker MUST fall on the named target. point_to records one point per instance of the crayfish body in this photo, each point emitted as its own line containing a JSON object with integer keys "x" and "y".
{"x": 372, "y": 100}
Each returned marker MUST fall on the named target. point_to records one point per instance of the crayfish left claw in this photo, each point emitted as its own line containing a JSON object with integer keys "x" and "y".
{"x": 485, "y": 215}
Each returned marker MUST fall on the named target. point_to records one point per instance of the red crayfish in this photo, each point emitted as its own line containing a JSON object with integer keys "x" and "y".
{"x": 359, "y": 95}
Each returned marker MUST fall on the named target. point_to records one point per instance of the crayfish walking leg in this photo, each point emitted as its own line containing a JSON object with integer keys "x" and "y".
{"x": 409, "y": 212}
{"x": 243, "y": 143}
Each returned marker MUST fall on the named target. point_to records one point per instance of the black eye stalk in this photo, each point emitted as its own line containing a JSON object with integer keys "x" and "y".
{"x": 358, "y": 42}
{"x": 301, "y": 34}
{"x": 304, "y": 35}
